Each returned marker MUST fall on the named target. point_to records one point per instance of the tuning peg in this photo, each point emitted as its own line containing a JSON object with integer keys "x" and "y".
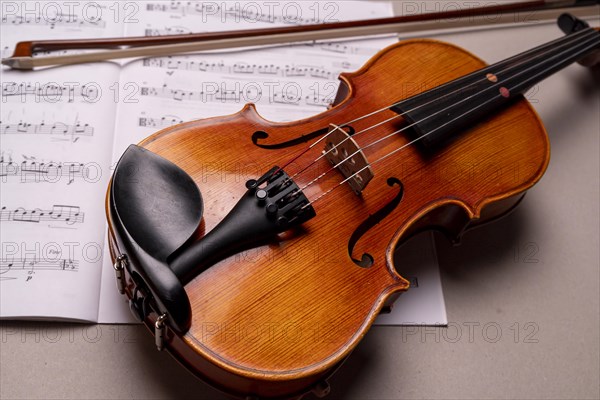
{"x": 570, "y": 24}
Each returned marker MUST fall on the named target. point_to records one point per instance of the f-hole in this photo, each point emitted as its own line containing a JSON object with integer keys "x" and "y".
{"x": 262, "y": 135}
{"x": 366, "y": 260}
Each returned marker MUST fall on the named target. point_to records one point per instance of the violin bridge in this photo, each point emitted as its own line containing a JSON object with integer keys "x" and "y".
{"x": 343, "y": 153}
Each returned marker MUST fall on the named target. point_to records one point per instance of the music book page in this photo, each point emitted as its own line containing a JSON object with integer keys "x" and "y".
{"x": 63, "y": 129}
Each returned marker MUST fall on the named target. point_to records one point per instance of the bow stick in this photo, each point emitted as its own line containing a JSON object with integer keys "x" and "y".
{"x": 23, "y": 57}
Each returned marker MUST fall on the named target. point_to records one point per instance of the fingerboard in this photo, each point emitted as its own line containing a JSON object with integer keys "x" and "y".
{"x": 441, "y": 113}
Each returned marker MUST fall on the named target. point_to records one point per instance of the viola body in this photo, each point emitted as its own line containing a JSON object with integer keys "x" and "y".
{"x": 276, "y": 320}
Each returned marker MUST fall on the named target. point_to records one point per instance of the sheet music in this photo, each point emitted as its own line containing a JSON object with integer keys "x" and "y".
{"x": 62, "y": 129}
{"x": 56, "y": 132}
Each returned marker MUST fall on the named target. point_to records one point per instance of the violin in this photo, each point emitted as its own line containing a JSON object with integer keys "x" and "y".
{"x": 260, "y": 253}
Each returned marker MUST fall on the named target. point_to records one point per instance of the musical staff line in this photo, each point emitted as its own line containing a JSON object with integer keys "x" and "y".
{"x": 233, "y": 11}
{"x": 253, "y": 94}
{"x": 288, "y": 71}
{"x": 68, "y": 20}
{"x": 59, "y": 213}
{"x": 168, "y": 30}
{"x": 50, "y": 92}
{"x": 58, "y": 129}
{"x": 31, "y": 266}
{"x": 163, "y": 122}
{"x": 31, "y": 171}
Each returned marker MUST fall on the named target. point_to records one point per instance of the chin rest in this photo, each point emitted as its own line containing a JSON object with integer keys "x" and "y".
{"x": 155, "y": 208}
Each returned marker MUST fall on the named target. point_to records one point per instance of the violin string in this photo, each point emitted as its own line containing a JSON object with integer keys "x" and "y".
{"x": 550, "y": 45}
{"x": 596, "y": 41}
{"x": 401, "y": 114}
{"x": 326, "y": 152}
{"x": 572, "y": 38}
{"x": 418, "y": 122}
{"x": 540, "y": 50}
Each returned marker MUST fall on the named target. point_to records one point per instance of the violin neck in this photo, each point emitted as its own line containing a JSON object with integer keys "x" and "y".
{"x": 441, "y": 113}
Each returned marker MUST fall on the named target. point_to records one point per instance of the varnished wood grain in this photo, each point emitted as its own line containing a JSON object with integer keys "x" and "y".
{"x": 275, "y": 320}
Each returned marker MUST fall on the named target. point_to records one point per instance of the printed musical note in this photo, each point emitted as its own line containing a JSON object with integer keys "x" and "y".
{"x": 67, "y": 20}
{"x": 255, "y": 94}
{"x": 235, "y": 11}
{"x": 240, "y": 67}
{"x": 319, "y": 101}
{"x": 342, "y": 48}
{"x": 168, "y": 30}
{"x": 59, "y": 213}
{"x": 49, "y": 92}
{"x": 163, "y": 122}
{"x": 33, "y": 171}
{"x": 30, "y": 265}
{"x": 59, "y": 130}
{"x": 185, "y": 64}
{"x": 177, "y": 7}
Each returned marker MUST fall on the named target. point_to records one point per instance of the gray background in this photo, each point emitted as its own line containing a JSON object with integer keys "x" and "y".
{"x": 522, "y": 294}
